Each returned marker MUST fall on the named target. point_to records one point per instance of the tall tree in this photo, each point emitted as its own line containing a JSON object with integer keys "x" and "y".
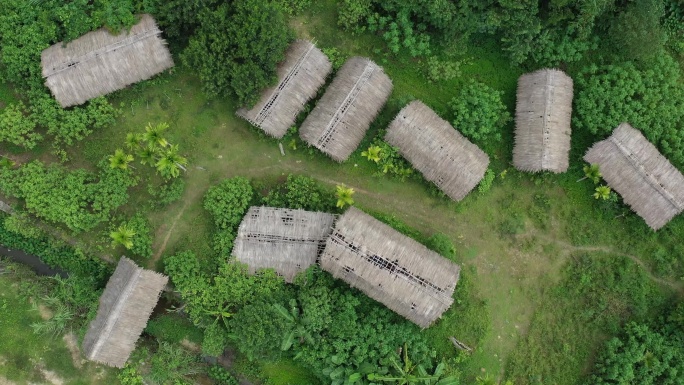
{"x": 237, "y": 47}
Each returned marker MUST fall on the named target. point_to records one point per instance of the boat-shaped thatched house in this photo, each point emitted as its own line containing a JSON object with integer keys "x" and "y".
{"x": 444, "y": 156}
{"x": 300, "y": 76}
{"x": 343, "y": 115}
{"x": 390, "y": 267}
{"x": 288, "y": 241}
{"x": 645, "y": 179}
{"x": 125, "y": 306}
{"x": 542, "y": 121}
{"x": 98, "y": 62}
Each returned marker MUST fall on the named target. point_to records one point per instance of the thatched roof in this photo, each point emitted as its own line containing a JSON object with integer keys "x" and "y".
{"x": 98, "y": 62}
{"x": 644, "y": 178}
{"x": 444, "y": 156}
{"x": 391, "y": 268}
{"x": 343, "y": 115}
{"x": 300, "y": 76}
{"x": 542, "y": 121}
{"x": 288, "y": 241}
{"x": 125, "y": 306}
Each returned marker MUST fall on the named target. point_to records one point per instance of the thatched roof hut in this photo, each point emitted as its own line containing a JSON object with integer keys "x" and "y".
{"x": 98, "y": 62}
{"x": 444, "y": 156}
{"x": 389, "y": 267}
{"x": 645, "y": 179}
{"x": 288, "y": 241}
{"x": 343, "y": 115}
{"x": 125, "y": 306}
{"x": 300, "y": 76}
{"x": 542, "y": 121}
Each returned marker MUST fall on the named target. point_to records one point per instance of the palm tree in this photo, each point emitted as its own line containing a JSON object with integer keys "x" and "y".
{"x": 123, "y": 236}
{"x": 602, "y": 192}
{"x": 297, "y": 326}
{"x": 170, "y": 163}
{"x": 153, "y": 134}
{"x": 373, "y": 153}
{"x": 344, "y": 196}
{"x": 591, "y": 171}
{"x": 148, "y": 155}
{"x": 404, "y": 374}
{"x": 134, "y": 141}
{"x": 120, "y": 160}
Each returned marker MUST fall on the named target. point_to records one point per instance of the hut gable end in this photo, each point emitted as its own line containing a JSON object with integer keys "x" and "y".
{"x": 341, "y": 118}
{"x": 644, "y": 178}
{"x": 125, "y": 306}
{"x": 444, "y": 156}
{"x": 389, "y": 267}
{"x": 542, "y": 121}
{"x": 98, "y": 62}
{"x": 288, "y": 241}
{"x": 300, "y": 76}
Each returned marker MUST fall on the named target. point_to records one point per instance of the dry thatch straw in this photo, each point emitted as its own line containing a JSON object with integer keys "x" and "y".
{"x": 98, "y": 62}
{"x": 542, "y": 121}
{"x": 300, "y": 76}
{"x": 288, "y": 241}
{"x": 645, "y": 179}
{"x": 343, "y": 115}
{"x": 444, "y": 156}
{"x": 391, "y": 268}
{"x": 125, "y": 306}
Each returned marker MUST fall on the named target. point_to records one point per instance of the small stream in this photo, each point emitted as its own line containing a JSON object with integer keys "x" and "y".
{"x": 31, "y": 261}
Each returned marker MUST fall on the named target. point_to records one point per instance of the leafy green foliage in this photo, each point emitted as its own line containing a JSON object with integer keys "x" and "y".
{"x": 237, "y": 46}
{"x": 442, "y": 70}
{"x": 228, "y": 201}
{"x": 215, "y": 297}
{"x": 441, "y": 244}
{"x": 167, "y": 193}
{"x": 602, "y": 192}
{"x": 479, "y": 112}
{"x": 173, "y": 328}
{"x": 301, "y": 192}
{"x": 487, "y": 181}
{"x": 123, "y": 236}
{"x": 17, "y": 128}
{"x": 171, "y": 364}
{"x": 344, "y": 196}
{"x": 141, "y": 242}
{"x": 642, "y": 355}
{"x": 78, "y": 199}
{"x": 636, "y": 33}
{"x": 257, "y": 329}
{"x": 215, "y": 340}
{"x": 390, "y": 161}
{"x": 129, "y": 375}
{"x": 650, "y": 99}
{"x": 56, "y": 254}
{"x": 221, "y": 376}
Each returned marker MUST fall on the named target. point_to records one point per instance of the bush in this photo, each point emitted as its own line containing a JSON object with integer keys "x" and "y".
{"x": 215, "y": 340}
{"x": 142, "y": 240}
{"x": 228, "y": 201}
{"x": 479, "y": 112}
{"x": 486, "y": 182}
{"x": 17, "y": 128}
{"x": 649, "y": 99}
{"x": 301, "y": 192}
{"x": 173, "y": 328}
{"x": 167, "y": 193}
{"x": 221, "y": 376}
{"x": 441, "y": 244}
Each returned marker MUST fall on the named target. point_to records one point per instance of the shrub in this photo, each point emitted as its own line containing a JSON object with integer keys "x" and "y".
{"x": 167, "y": 193}
{"x": 479, "y": 112}
{"x": 441, "y": 244}
{"x": 221, "y": 376}
{"x": 228, "y": 201}
{"x": 486, "y": 182}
